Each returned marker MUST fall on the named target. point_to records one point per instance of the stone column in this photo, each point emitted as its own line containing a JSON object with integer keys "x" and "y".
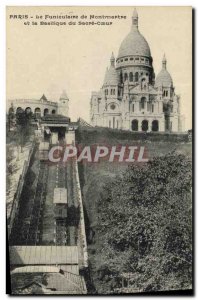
{"x": 161, "y": 125}
{"x": 139, "y": 124}
{"x": 137, "y": 106}
{"x": 150, "y": 125}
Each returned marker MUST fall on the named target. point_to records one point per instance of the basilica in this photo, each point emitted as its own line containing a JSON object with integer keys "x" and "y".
{"x": 131, "y": 98}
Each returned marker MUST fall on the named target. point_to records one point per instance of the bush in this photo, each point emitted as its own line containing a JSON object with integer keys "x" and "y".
{"x": 145, "y": 227}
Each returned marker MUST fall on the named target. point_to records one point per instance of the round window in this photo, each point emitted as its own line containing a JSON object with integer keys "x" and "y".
{"x": 112, "y": 106}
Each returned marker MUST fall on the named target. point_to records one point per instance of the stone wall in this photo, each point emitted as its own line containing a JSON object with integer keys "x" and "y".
{"x": 15, "y": 204}
{"x": 106, "y": 133}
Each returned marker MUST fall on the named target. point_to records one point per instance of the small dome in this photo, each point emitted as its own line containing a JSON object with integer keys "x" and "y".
{"x": 164, "y": 78}
{"x": 111, "y": 76}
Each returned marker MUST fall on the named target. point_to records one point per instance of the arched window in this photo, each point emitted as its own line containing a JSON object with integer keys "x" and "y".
{"x": 134, "y": 125}
{"x": 46, "y": 111}
{"x": 165, "y": 93}
{"x": 125, "y": 76}
{"x": 19, "y": 110}
{"x": 28, "y": 110}
{"x": 53, "y": 111}
{"x": 130, "y": 76}
{"x": 142, "y": 103}
{"x": 136, "y": 77}
{"x": 121, "y": 78}
{"x": 155, "y": 125}
{"x": 144, "y": 125}
{"x": 112, "y": 91}
{"x": 37, "y": 112}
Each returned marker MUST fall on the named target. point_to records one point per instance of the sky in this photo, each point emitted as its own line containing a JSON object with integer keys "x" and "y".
{"x": 48, "y": 59}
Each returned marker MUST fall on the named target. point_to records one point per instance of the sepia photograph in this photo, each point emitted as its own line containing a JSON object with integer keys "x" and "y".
{"x": 99, "y": 133}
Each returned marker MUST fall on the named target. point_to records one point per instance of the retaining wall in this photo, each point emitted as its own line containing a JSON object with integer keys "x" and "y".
{"x": 17, "y": 195}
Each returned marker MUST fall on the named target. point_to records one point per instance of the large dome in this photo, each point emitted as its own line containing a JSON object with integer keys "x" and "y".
{"x": 134, "y": 44}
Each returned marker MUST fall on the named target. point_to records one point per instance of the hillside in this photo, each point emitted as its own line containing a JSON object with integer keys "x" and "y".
{"x": 102, "y": 182}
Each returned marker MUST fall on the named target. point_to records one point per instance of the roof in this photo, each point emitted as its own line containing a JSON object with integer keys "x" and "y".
{"x": 64, "y": 95}
{"x": 43, "y": 98}
{"x": 52, "y": 283}
{"x": 163, "y": 79}
{"x": 36, "y": 269}
{"x": 111, "y": 76}
{"x": 134, "y": 43}
{"x": 74, "y": 269}
{"x": 60, "y": 196}
{"x": 43, "y": 255}
{"x": 54, "y": 118}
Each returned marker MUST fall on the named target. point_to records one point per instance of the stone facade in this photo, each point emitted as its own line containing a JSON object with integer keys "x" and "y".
{"x": 131, "y": 98}
{"x": 41, "y": 106}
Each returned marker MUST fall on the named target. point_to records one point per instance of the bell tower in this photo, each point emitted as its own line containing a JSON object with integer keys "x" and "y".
{"x": 63, "y": 105}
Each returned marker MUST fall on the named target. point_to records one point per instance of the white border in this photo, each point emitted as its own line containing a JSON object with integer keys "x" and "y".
{"x": 3, "y": 4}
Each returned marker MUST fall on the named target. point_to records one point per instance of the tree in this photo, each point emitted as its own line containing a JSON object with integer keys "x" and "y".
{"x": 11, "y": 118}
{"x": 23, "y": 120}
{"x": 145, "y": 227}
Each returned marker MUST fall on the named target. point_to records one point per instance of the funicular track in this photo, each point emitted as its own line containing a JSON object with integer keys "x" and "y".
{"x": 61, "y": 228}
{"x": 61, "y": 238}
{"x": 33, "y": 234}
{"x": 27, "y": 226}
{"x": 66, "y": 232}
{"x": 73, "y": 205}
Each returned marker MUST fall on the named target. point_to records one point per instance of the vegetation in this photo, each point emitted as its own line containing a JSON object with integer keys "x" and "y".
{"x": 144, "y": 228}
{"x": 19, "y": 126}
{"x": 23, "y": 121}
